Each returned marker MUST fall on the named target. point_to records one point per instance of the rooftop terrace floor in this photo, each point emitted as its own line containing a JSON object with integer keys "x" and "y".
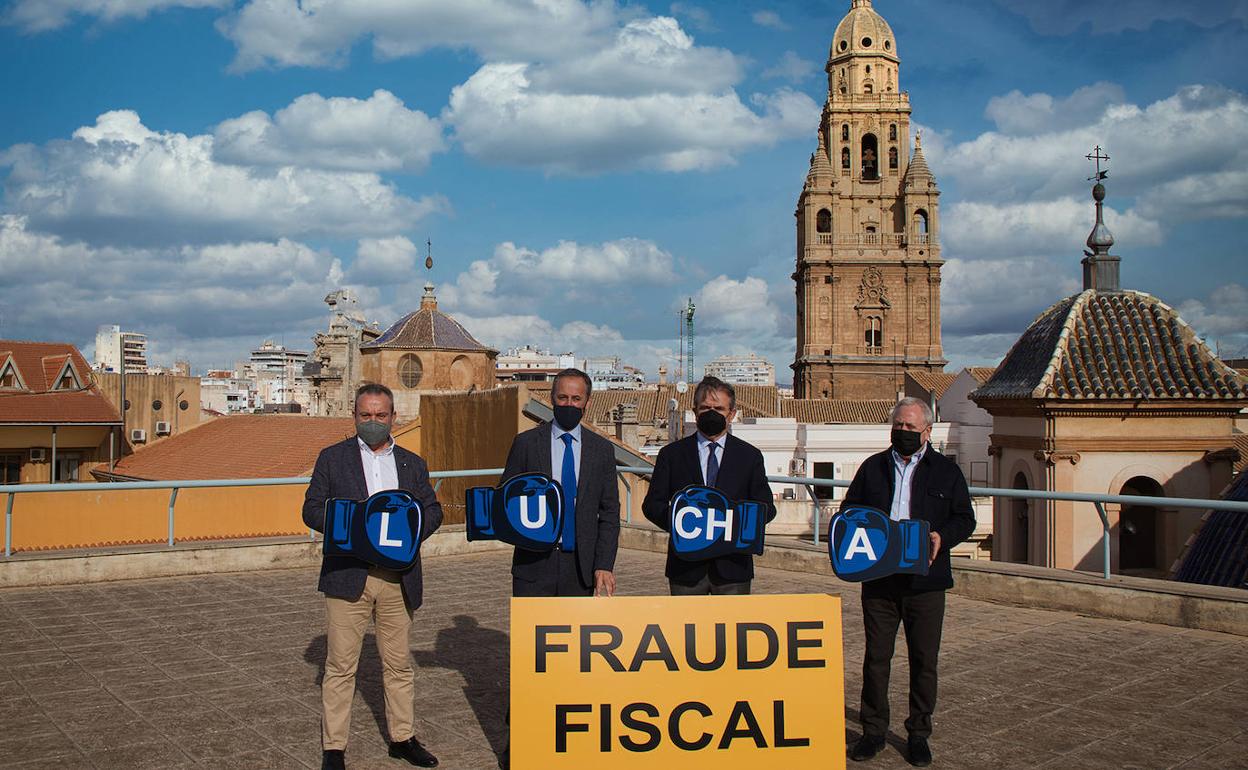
{"x": 223, "y": 670}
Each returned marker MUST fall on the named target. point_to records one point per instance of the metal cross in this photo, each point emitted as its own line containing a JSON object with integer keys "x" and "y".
{"x": 1098, "y": 155}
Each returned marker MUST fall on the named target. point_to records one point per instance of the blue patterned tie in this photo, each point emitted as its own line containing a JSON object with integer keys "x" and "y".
{"x": 568, "y": 481}
{"x": 712, "y": 464}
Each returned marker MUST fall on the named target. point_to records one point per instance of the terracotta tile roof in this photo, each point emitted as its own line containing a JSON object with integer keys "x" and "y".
{"x": 1217, "y": 552}
{"x": 837, "y": 411}
{"x": 981, "y": 373}
{"x": 427, "y": 328}
{"x": 1119, "y": 345}
{"x": 1241, "y": 443}
{"x": 38, "y": 364}
{"x": 935, "y": 383}
{"x": 245, "y": 446}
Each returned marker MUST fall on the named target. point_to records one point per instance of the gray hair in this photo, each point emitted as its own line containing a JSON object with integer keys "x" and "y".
{"x": 912, "y": 401}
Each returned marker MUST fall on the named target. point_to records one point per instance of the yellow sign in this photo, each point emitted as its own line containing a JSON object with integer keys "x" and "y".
{"x": 682, "y": 682}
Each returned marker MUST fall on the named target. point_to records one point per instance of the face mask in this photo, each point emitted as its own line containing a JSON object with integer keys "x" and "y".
{"x": 711, "y": 423}
{"x": 372, "y": 432}
{"x": 568, "y": 417}
{"x": 906, "y": 442}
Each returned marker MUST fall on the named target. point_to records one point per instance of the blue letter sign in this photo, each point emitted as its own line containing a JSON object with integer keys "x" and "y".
{"x": 525, "y": 511}
{"x": 866, "y": 544}
{"x": 706, "y": 524}
{"x": 383, "y": 530}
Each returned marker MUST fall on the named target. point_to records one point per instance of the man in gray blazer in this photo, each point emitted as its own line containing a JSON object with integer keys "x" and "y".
{"x": 583, "y": 564}
{"x": 356, "y": 591}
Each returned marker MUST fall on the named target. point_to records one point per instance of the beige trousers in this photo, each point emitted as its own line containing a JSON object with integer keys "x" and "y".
{"x": 382, "y": 599}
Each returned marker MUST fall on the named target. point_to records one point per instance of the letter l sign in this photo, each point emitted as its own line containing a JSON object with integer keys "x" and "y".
{"x": 386, "y": 540}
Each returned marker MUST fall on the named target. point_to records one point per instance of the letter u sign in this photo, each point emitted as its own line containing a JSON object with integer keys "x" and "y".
{"x": 529, "y": 521}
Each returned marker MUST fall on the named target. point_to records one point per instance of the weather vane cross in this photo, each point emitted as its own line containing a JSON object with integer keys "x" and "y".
{"x": 1098, "y": 155}
{"x": 429, "y": 254}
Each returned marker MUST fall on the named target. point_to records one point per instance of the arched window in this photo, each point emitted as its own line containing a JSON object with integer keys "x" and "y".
{"x": 870, "y": 157}
{"x": 892, "y": 132}
{"x": 920, "y": 222}
{"x": 874, "y": 334}
{"x": 1020, "y": 550}
{"x": 844, "y": 132}
{"x": 823, "y": 221}
{"x": 866, "y": 89}
{"x": 1139, "y": 526}
{"x": 845, "y": 157}
{"x": 892, "y": 158}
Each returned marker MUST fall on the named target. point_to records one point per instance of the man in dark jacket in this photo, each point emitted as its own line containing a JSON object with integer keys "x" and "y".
{"x": 356, "y": 592}
{"x": 910, "y": 480}
{"x": 711, "y": 457}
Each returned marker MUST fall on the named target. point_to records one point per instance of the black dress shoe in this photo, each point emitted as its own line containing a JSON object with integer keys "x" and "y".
{"x": 413, "y": 752}
{"x": 866, "y": 747}
{"x": 917, "y": 751}
{"x": 333, "y": 759}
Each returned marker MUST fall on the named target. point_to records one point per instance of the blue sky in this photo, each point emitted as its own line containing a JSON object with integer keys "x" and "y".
{"x": 206, "y": 171}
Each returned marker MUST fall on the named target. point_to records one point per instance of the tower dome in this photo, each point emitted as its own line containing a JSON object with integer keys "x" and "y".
{"x": 863, "y": 31}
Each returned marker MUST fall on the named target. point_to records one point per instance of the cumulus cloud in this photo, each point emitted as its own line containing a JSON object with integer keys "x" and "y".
{"x": 500, "y": 117}
{"x": 374, "y": 134}
{"x": 383, "y": 260}
{"x": 1019, "y": 113}
{"x": 744, "y": 306}
{"x": 699, "y": 18}
{"x": 769, "y": 19}
{"x": 979, "y": 229}
{"x": 1195, "y": 132}
{"x": 987, "y": 297}
{"x": 121, "y": 182}
{"x": 245, "y": 290}
{"x": 286, "y": 33}
{"x": 790, "y": 67}
{"x": 43, "y": 15}
{"x": 1062, "y": 17}
{"x": 1224, "y": 314}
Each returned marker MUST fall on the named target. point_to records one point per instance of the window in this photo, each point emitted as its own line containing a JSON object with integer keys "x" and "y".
{"x": 892, "y": 132}
{"x": 824, "y": 471}
{"x": 870, "y": 157}
{"x": 410, "y": 370}
{"x": 892, "y": 158}
{"x": 867, "y": 89}
{"x": 866, "y": 42}
{"x": 845, "y": 158}
{"x": 920, "y": 222}
{"x": 9, "y": 378}
{"x": 844, "y": 132}
{"x": 874, "y": 336}
{"x": 823, "y": 221}
{"x": 10, "y": 469}
{"x": 67, "y": 467}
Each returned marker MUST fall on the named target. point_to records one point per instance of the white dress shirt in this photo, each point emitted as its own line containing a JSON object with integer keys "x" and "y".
{"x": 903, "y": 475}
{"x": 380, "y": 472}
{"x": 704, "y": 452}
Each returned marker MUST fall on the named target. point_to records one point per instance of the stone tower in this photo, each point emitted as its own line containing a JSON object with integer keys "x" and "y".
{"x": 868, "y": 227}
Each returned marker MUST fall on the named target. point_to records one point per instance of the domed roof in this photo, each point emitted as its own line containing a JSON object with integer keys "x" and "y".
{"x": 426, "y": 329}
{"x": 863, "y": 31}
{"x": 1112, "y": 345}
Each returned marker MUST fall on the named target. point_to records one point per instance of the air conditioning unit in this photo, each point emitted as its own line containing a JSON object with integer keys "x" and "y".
{"x": 162, "y": 428}
{"x": 789, "y": 494}
{"x": 38, "y": 455}
{"x": 138, "y": 436}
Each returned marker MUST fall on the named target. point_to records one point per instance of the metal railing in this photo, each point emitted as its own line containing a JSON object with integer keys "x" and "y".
{"x": 1098, "y": 501}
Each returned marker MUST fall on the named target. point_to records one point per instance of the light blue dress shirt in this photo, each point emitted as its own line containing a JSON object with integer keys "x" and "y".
{"x": 903, "y": 475}
{"x": 704, "y": 453}
{"x": 557, "y": 448}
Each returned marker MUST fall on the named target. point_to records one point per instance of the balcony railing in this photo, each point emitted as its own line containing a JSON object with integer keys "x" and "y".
{"x": 870, "y": 239}
{"x": 1098, "y": 501}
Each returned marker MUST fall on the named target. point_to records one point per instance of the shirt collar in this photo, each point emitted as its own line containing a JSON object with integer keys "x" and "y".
{"x": 389, "y": 450}
{"x": 914, "y": 458}
{"x": 557, "y": 432}
{"x": 703, "y": 440}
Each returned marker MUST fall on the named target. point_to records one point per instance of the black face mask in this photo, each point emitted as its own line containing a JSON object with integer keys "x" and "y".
{"x": 568, "y": 417}
{"x": 712, "y": 423}
{"x": 906, "y": 442}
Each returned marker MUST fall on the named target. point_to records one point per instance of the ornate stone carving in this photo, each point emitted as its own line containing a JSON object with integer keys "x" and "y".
{"x": 872, "y": 292}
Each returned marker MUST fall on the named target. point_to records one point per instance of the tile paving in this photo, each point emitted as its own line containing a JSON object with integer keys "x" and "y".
{"x": 223, "y": 671}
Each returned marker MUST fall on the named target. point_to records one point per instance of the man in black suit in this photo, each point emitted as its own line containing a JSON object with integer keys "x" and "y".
{"x": 711, "y": 457}
{"x": 583, "y": 563}
{"x": 356, "y": 591}
{"x": 910, "y": 480}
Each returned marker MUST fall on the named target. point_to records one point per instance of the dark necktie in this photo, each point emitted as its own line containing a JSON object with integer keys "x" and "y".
{"x": 712, "y": 464}
{"x": 568, "y": 482}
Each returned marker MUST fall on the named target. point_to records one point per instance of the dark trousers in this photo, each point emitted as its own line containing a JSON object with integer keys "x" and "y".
{"x": 555, "y": 574}
{"x": 708, "y": 586}
{"x": 886, "y": 603}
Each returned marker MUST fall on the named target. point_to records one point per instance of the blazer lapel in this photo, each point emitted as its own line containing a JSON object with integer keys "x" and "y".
{"x": 918, "y": 486}
{"x": 355, "y": 466}
{"x": 695, "y": 462}
{"x": 543, "y": 451}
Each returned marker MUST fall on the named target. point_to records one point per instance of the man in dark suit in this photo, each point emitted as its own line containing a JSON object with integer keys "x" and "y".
{"x": 711, "y": 457}
{"x": 583, "y": 563}
{"x": 355, "y": 591}
{"x": 910, "y": 480}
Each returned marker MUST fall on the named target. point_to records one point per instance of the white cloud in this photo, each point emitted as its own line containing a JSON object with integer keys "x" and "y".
{"x": 384, "y": 260}
{"x": 698, "y": 16}
{"x": 790, "y": 67}
{"x": 976, "y": 229}
{"x": 500, "y": 117}
{"x": 288, "y": 33}
{"x": 736, "y": 307}
{"x": 120, "y": 182}
{"x": 189, "y": 297}
{"x": 1001, "y": 296}
{"x": 769, "y": 19}
{"x": 44, "y": 15}
{"x": 374, "y": 134}
{"x": 1223, "y": 314}
{"x": 1019, "y": 113}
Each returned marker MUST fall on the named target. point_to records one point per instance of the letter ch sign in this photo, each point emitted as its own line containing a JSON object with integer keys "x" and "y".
{"x": 707, "y": 682}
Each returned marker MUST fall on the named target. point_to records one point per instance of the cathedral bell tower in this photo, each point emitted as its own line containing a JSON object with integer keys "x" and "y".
{"x": 868, "y": 228}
